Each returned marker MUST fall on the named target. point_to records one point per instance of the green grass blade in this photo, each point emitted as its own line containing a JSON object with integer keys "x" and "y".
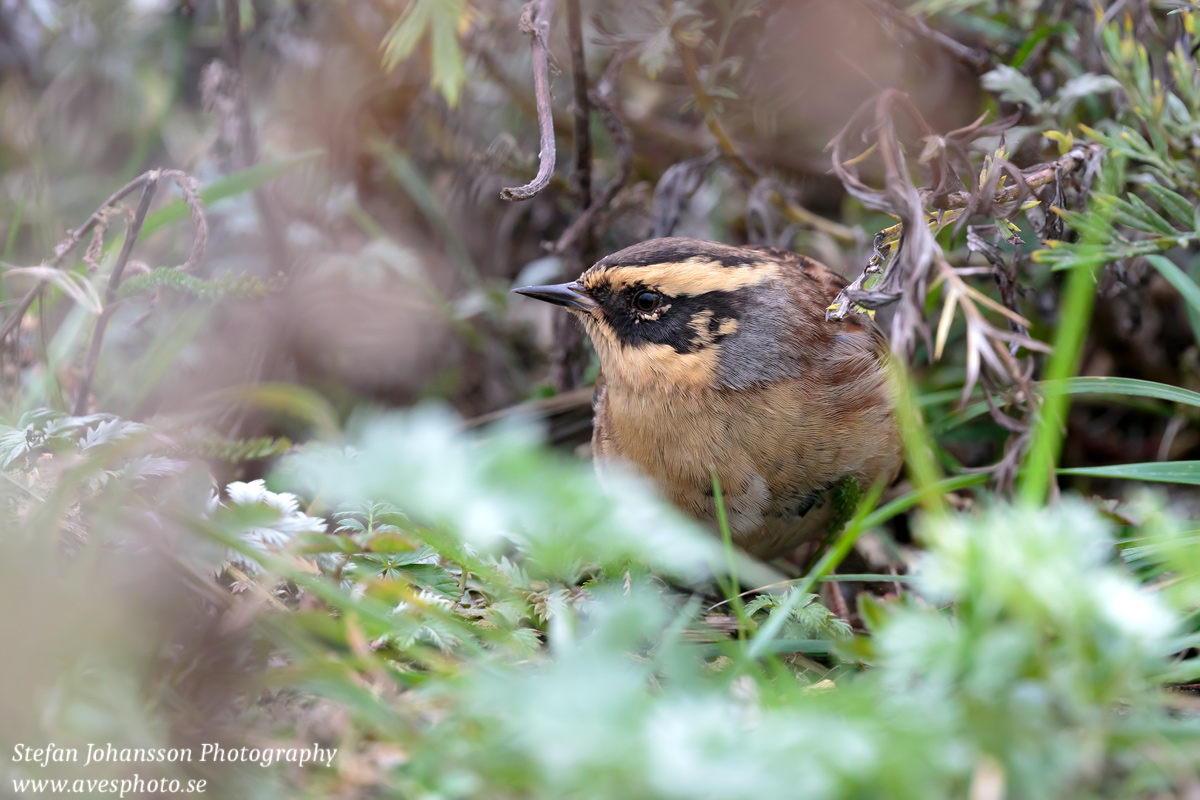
{"x": 1157, "y": 471}
{"x": 1129, "y": 387}
{"x": 866, "y": 577}
{"x": 10, "y": 242}
{"x": 733, "y": 586}
{"x": 919, "y": 447}
{"x": 1036, "y": 38}
{"x": 289, "y": 400}
{"x": 1079, "y": 296}
{"x": 14, "y": 227}
{"x": 1193, "y": 312}
{"x": 907, "y": 501}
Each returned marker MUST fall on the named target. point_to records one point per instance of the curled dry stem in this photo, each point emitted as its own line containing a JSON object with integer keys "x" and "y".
{"x": 536, "y": 18}
{"x": 907, "y": 261}
{"x": 189, "y": 188}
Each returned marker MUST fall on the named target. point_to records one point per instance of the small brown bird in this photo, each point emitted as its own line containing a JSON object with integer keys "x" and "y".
{"x": 719, "y": 359}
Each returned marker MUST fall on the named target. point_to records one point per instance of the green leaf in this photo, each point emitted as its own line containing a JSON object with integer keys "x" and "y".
{"x": 909, "y": 500}
{"x": 1158, "y": 471}
{"x": 759, "y": 603}
{"x": 1075, "y": 315}
{"x": 1128, "y": 142}
{"x": 449, "y": 71}
{"x": 1012, "y": 85}
{"x": 1041, "y": 34}
{"x": 294, "y": 401}
{"x": 1080, "y": 87}
{"x": 809, "y": 646}
{"x": 1173, "y": 203}
{"x": 871, "y": 611}
{"x": 1130, "y": 387}
{"x": 1093, "y": 228}
{"x": 398, "y": 546}
{"x": 241, "y": 286}
{"x": 406, "y": 34}
{"x": 440, "y": 19}
{"x": 433, "y": 578}
{"x": 1152, "y": 217}
{"x": 1076, "y": 256}
{"x": 1133, "y": 213}
{"x": 860, "y": 648}
{"x": 1193, "y": 312}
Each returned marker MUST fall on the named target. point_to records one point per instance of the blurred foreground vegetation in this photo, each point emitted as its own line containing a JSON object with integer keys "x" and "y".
{"x": 262, "y": 481}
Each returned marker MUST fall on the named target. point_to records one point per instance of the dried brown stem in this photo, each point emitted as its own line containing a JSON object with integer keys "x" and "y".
{"x": 567, "y": 361}
{"x": 535, "y": 20}
{"x": 63, "y": 248}
{"x": 705, "y": 104}
{"x": 976, "y": 59}
{"x": 188, "y": 187}
{"x": 915, "y": 263}
{"x": 248, "y": 141}
{"x": 110, "y": 295}
{"x": 605, "y": 101}
{"x": 731, "y": 153}
{"x": 1035, "y": 177}
{"x": 583, "y": 111}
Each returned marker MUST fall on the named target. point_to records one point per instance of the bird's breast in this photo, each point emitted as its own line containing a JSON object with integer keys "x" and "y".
{"x": 776, "y": 451}
{"x": 680, "y": 442}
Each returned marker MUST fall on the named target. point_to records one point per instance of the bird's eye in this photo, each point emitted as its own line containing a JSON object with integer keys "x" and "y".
{"x": 646, "y": 301}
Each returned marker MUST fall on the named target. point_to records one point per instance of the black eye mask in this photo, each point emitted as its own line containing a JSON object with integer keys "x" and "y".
{"x": 673, "y": 323}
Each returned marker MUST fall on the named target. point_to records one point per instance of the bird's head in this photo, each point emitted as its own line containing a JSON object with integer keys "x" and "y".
{"x": 684, "y": 314}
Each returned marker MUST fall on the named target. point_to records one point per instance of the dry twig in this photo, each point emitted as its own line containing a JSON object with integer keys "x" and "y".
{"x": 729, "y": 150}
{"x": 567, "y": 361}
{"x": 909, "y": 263}
{"x": 96, "y": 225}
{"x": 99, "y": 220}
{"x": 976, "y": 59}
{"x": 149, "y": 187}
{"x": 536, "y": 18}
{"x": 583, "y": 111}
{"x": 247, "y": 140}
{"x": 604, "y": 98}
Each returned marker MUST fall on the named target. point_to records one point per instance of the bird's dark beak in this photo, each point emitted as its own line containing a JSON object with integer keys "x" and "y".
{"x": 571, "y": 295}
